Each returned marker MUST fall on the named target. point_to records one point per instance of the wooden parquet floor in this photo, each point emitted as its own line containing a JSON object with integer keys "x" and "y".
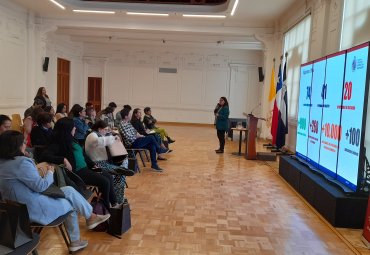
{"x": 206, "y": 204}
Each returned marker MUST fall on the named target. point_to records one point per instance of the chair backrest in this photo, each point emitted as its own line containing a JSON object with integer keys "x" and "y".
{"x": 16, "y": 122}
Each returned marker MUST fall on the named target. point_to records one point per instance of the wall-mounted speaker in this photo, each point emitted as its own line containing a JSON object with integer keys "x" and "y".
{"x": 261, "y": 76}
{"x": 45, "y": 66}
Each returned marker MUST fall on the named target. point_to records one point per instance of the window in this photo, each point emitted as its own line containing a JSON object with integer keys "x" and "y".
{"x": 296, "y": 43}
{"x": 355, "y": 23}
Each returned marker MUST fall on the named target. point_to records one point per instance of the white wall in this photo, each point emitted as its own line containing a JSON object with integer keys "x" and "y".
{"x": 131, "y": 76}
{"x": 24, "y": 43}
{"x": 13, "y": 59}
{"x": 130, "y": 73}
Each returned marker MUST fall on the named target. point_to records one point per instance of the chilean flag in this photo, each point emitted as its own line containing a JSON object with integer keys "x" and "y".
{"x": 282, "y": 129}
{"x": 275, "y": 111}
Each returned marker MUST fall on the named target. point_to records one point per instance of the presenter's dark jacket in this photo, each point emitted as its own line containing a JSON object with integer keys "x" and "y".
{"x": 222, "y": 120}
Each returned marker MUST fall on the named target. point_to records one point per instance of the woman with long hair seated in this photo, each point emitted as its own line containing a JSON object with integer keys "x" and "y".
{"x": 22, "y": 181}
{"x": 61, "y": 111}
{"x": 41, "y": 134}
{"x": 78, "y": 114}
{"x": 64, "y": 149}
{"x": 95, "y": 147}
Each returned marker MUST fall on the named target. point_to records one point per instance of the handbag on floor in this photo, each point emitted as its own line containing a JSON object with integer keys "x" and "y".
{"x": 120, "y": 220}
{"x": 15, "y": 224}
{"x": 99, "y": 208}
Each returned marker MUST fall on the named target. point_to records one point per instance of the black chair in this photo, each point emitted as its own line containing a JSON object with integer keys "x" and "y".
{"x": 232, "y": 124}
{"x": 139, "y": 151}
{"x": 27, "y": 248}
{"x": 60, "y": 223}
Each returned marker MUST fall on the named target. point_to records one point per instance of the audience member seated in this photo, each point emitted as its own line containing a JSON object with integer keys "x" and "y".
{"x": 41, "y": 134}
{"x": 106, "y": 115}
{"x": 61, "y": 111}
{"x": 78, "y": 114}
{"x": 41, "y": 94}
{"x": 89, "y": 105}
{"x": 95, "y": 147}
{"x": 37, "y": 103}
{"x": 5, "y": 123}
{"x": 150, "y": 121}
{"x": 113, "y": 105}
{"x": 65, "y": 150}
{"x": 139, "y": 126}
{"x": 21, "y": 181}
{"x": 50, "y": 109}
{"x": 31, "y": 120}
{"x": 90, "y": 116}
{"x": 118, "y": 119}
{"x": 133, "y": 139}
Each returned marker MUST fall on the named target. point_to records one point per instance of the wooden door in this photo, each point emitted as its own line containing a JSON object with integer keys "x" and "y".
{"x": 63, "y": 73}
{"x": 94, "y": 92}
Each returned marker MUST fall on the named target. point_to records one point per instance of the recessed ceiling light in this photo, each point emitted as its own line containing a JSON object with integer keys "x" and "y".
{"x": 203, "y": 16}
{"x": 93, "y": 11}
{"x": 234, "y": 7}
{"x": 147, "y": 14}
{"x": 58, "y": 4}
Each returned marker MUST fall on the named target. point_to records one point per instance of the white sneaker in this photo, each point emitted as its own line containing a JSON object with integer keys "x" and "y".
{"x": 77, "y": 245}
{"x": 117, "y": 206}
{"x": 97, "y": 220}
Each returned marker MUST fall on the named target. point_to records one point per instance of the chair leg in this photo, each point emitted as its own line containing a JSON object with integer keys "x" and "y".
{"x": 142, "y": 159}
{"x": 37, "y": 230}
{"x": 147, "y": 157}
{"x": 64, "y": 234}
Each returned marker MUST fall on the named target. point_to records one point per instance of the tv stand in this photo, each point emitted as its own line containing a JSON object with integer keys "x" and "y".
{"x": 341, "y": 209}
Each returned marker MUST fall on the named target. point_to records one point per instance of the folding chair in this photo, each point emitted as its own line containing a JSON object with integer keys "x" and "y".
{"x": 16, "y": 122}
{"x": 60, "y": 223}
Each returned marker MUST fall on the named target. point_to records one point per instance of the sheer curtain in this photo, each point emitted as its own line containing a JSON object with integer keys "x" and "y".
{"x": 355, "y": 23}
{"x": 296, "y": 43}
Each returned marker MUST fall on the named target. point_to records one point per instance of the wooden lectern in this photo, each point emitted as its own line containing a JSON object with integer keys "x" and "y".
{"x": 250, "y": 150}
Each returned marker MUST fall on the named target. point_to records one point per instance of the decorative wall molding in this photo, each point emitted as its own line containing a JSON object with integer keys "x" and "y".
{"x": 143, "y": 58}
{"x": 168, "y": 59}
{"x": 192, "y": 60}
{"x": 217, "y": 61}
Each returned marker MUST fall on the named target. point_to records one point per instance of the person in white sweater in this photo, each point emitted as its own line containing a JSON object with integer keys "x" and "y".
{"x": 95, "y": 148}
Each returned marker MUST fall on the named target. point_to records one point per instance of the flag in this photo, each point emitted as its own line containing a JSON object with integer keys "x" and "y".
{"x": 275, "y": 111}
{"x": 282, "y": 129}
{"x": 271, "y": 98}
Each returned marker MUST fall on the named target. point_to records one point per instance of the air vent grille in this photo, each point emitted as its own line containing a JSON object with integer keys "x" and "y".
{"x": 167, "y": 70}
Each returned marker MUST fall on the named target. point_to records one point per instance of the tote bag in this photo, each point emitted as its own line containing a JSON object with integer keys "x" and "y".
{"x": 15, "y": 222}
{"x": 120, "y": 220}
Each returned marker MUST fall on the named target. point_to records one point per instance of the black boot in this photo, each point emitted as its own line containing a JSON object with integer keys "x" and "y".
{"x": 170, "y": 140}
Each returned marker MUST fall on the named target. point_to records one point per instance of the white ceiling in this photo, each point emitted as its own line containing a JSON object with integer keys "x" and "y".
{"x": 251, "y": 17}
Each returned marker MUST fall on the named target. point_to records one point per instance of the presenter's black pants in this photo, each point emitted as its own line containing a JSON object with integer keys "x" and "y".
{"x": 221, "y": 138}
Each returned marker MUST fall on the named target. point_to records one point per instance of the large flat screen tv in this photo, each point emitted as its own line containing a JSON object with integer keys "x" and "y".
{"x": 332, "y": 115}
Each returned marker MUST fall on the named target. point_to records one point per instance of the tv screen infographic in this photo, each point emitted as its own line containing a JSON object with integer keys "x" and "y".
{"x": 352, "y": 115}
{"x": 332, "y": 114}
{"x": 314, "y": 134}
{"x": 331, "y": 94}
{"x": 304, "y": 102}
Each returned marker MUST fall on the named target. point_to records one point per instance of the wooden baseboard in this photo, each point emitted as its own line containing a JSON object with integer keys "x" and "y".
{"x": 184, "y": 124}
